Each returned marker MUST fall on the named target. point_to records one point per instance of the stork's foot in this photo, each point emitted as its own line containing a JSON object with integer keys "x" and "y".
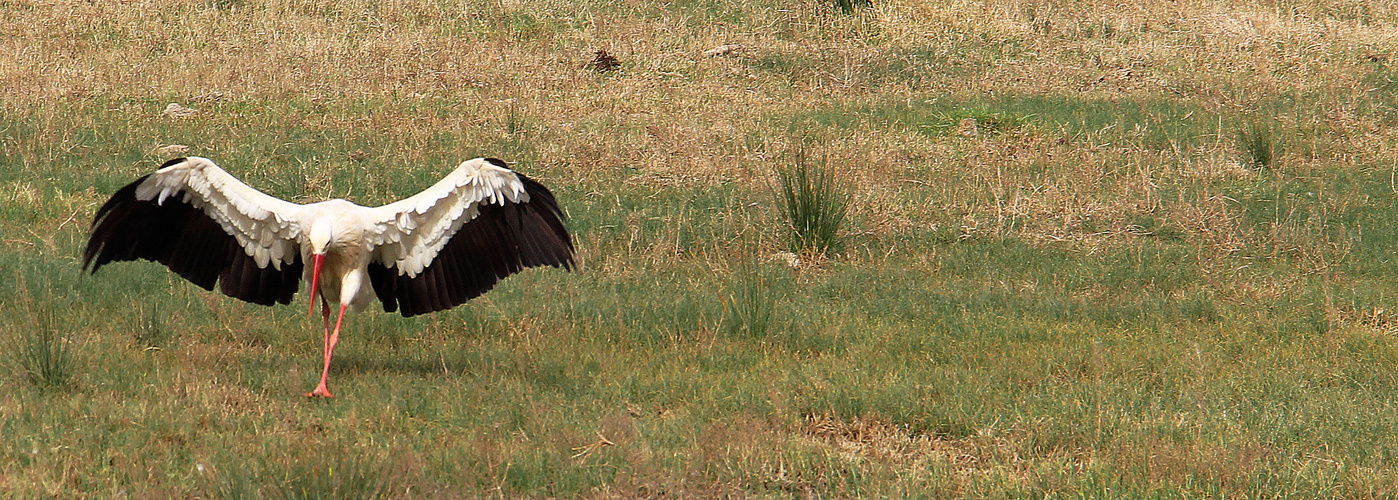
{"x": 320, "y": 391}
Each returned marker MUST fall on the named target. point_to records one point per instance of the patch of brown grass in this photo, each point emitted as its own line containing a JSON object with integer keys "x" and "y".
{"x": 680, "y": 117}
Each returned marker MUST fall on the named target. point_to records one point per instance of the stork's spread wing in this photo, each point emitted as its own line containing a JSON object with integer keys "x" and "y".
{"x": 205, "y": 226}
{"x": 453, "y": 241}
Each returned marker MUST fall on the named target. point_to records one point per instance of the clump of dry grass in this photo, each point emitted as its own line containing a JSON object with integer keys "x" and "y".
{"x": 604, "y": 62}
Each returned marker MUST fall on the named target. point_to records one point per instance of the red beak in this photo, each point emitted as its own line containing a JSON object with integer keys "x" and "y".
{"x": 317, "y": 260}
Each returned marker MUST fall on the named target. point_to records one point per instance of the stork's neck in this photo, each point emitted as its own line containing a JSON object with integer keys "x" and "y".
{"x": 334, "y": 226}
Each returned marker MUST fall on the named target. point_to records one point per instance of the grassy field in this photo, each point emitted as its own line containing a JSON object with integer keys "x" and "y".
{"x": 1093, "y": 250}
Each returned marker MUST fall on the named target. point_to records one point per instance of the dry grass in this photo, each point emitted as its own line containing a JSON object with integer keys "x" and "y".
{"x": 675, "y": 115}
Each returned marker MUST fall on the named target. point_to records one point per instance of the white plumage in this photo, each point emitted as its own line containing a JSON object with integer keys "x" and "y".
{"x": 428, "y": 252}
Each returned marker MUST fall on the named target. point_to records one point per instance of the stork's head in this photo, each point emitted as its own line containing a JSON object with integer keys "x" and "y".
{"x": 322, "y": 232}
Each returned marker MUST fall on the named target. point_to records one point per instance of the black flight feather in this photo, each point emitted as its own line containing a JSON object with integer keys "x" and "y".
{"x": 186, "y": 240}
{"x": 500, "y": 241}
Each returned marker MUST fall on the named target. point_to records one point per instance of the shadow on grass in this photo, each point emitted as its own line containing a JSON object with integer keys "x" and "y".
{"x": 393, "y": 363}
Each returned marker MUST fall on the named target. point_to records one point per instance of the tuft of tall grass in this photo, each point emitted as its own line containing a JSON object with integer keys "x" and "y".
{"x": 814, "y": 205}
{"x": 152, "y": 334}
{"x": 340, "y": 474}
{"x": 310, "y": 473}
{"x": 236, "y": 485}
{"x": 848, "y": 6}
{"x": 44, "y": 358}
{"x": 747, "y": 307}
{"x": 1258, "y": 144}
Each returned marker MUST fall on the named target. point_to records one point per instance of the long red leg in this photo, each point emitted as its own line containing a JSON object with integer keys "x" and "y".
{"x": 325, "y": 320}
{"x": 330, "y": 342}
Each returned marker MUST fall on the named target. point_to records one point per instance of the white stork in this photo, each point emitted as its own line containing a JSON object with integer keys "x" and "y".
{"x": 426, "y": 253}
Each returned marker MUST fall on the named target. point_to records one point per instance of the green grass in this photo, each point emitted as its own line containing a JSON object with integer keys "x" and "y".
{"x": 814, "y": 204}
{"x": 748, "y": 305}
{"x": 1106, "y": 293}
{"x": 1258, "y": 145}
{"x": 43, "y": 353}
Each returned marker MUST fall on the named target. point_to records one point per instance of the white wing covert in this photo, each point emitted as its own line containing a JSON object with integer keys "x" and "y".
{"x": 205, "y": 226}
{"x": 265, "y": 227}
{"x": 411, "y": 232}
